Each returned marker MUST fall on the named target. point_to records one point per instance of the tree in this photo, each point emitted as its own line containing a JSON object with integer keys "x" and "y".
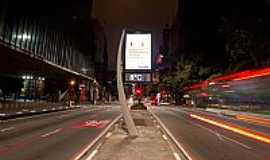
{"x": 187, "y": 70}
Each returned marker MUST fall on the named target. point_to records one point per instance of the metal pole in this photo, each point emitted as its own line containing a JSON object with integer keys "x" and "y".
{"x": 122, "y": 97}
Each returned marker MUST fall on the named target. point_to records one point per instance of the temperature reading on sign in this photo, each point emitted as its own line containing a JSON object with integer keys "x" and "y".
{"x": 136, "y": 77}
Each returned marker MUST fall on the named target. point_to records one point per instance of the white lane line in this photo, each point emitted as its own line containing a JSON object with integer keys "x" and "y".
{"x": 92, "y": 155}
{"x": 2, "y": 114}
{"x": 19, "y": 112}
{"x": 33, "y": 111}
{"x": 164, "y": 137}
{"x": 176, "y": 156}
{"x": 7, "y": 129}
{"x": 237, "y": 142}
{"x": 51, "y": 133}
{"x": 209, "y": 130}
{"x": 178, "y": 144}
{"x": 44, "y": 110}
{"x": 64, "y": 116}
{"x": 108, "y": 134}
{"x": 219, "y": 136}
{"x": 222, "y": 137}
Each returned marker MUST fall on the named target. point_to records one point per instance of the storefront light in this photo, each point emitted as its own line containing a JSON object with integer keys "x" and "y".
{"x": 24, "y": 36}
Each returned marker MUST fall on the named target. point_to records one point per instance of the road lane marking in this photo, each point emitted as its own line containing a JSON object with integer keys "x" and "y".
{"x": 7, "y": 129}
{"x": 81, "y": 153}
{"x": 92, "y": 155}
{"x": 92, "y": 124}
{"x": 19, "y": 112}
{"x": 51, "y": 133}
{"x": 209, "y": 130}
{"x": 219, "y": 136}
{"x": 164, "y": 137}
{"x": 261, "y": 138}
{"x": 237, "y": 142}
{"x": 178, "y": 144}
{"x": 176, "y": 156}
{"x": 64, "y": 116}
{"x": 108, "y": 134}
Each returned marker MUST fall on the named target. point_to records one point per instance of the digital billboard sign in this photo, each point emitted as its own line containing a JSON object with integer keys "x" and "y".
{"x": 138, "y": 52}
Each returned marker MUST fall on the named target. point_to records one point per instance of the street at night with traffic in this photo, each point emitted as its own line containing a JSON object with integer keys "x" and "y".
{"x": 134, "y": 80}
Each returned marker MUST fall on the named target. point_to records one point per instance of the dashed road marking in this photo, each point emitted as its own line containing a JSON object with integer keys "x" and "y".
{"x": 51, "y": 133}
{"x": 108, "y": 134}
{"x": 92, "y": 155}
{"x": 164, "y": 137}
{"x": 222, "y": 137}
{"x": 176, "y": 156}
{"x": 237, "y": 142}
{"x": 7, "y": 129}
{"x": 2, "y": 114}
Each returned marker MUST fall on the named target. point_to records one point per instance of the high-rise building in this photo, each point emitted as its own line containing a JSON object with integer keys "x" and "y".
{"x": 50, "y": 39}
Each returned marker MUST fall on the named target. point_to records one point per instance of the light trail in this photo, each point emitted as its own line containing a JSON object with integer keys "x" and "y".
{"x": 250, "y": 134}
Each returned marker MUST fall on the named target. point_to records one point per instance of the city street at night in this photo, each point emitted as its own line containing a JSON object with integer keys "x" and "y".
{"x": 134, "y": 80}
{"x": 204, "y": 141}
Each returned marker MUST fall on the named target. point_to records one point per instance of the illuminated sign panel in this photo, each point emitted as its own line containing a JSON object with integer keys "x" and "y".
{"x": 138, "y": 52}
{"x": 138, "y": 77}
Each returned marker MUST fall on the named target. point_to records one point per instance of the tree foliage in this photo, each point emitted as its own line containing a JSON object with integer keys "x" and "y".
{"x": 186, "y": 71}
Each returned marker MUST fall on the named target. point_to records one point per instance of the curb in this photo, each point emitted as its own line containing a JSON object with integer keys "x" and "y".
{"x": 254, "y": 119}
{"x": 83, "y": 154}
{"x": 170, "y": 135}
{"x": 6, "y": 116}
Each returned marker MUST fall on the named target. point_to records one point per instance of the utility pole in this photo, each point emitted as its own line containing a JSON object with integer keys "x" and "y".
{"x": 122, "y": 97}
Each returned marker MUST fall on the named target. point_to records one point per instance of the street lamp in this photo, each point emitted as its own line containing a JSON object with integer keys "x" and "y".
{"x": 72, "y": 82}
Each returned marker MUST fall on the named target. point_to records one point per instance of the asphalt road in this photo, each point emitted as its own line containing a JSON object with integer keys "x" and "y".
{"x": 257, "y": 127}
{"x": 204, "y": 141}
{"x": 55, "y": 136}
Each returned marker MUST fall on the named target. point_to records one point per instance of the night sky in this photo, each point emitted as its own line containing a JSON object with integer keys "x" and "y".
{"x": 145, "y": 15}
{"x": 201, "y": 20}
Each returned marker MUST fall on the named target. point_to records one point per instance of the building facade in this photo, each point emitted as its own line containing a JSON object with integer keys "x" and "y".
{"x": 48, "y": 39}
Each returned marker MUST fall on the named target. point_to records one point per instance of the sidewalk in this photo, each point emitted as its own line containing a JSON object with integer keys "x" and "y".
{"x": 150, "y": 145}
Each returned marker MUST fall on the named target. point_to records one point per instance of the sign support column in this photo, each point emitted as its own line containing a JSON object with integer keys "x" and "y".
{"x": 120, "y": 87}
